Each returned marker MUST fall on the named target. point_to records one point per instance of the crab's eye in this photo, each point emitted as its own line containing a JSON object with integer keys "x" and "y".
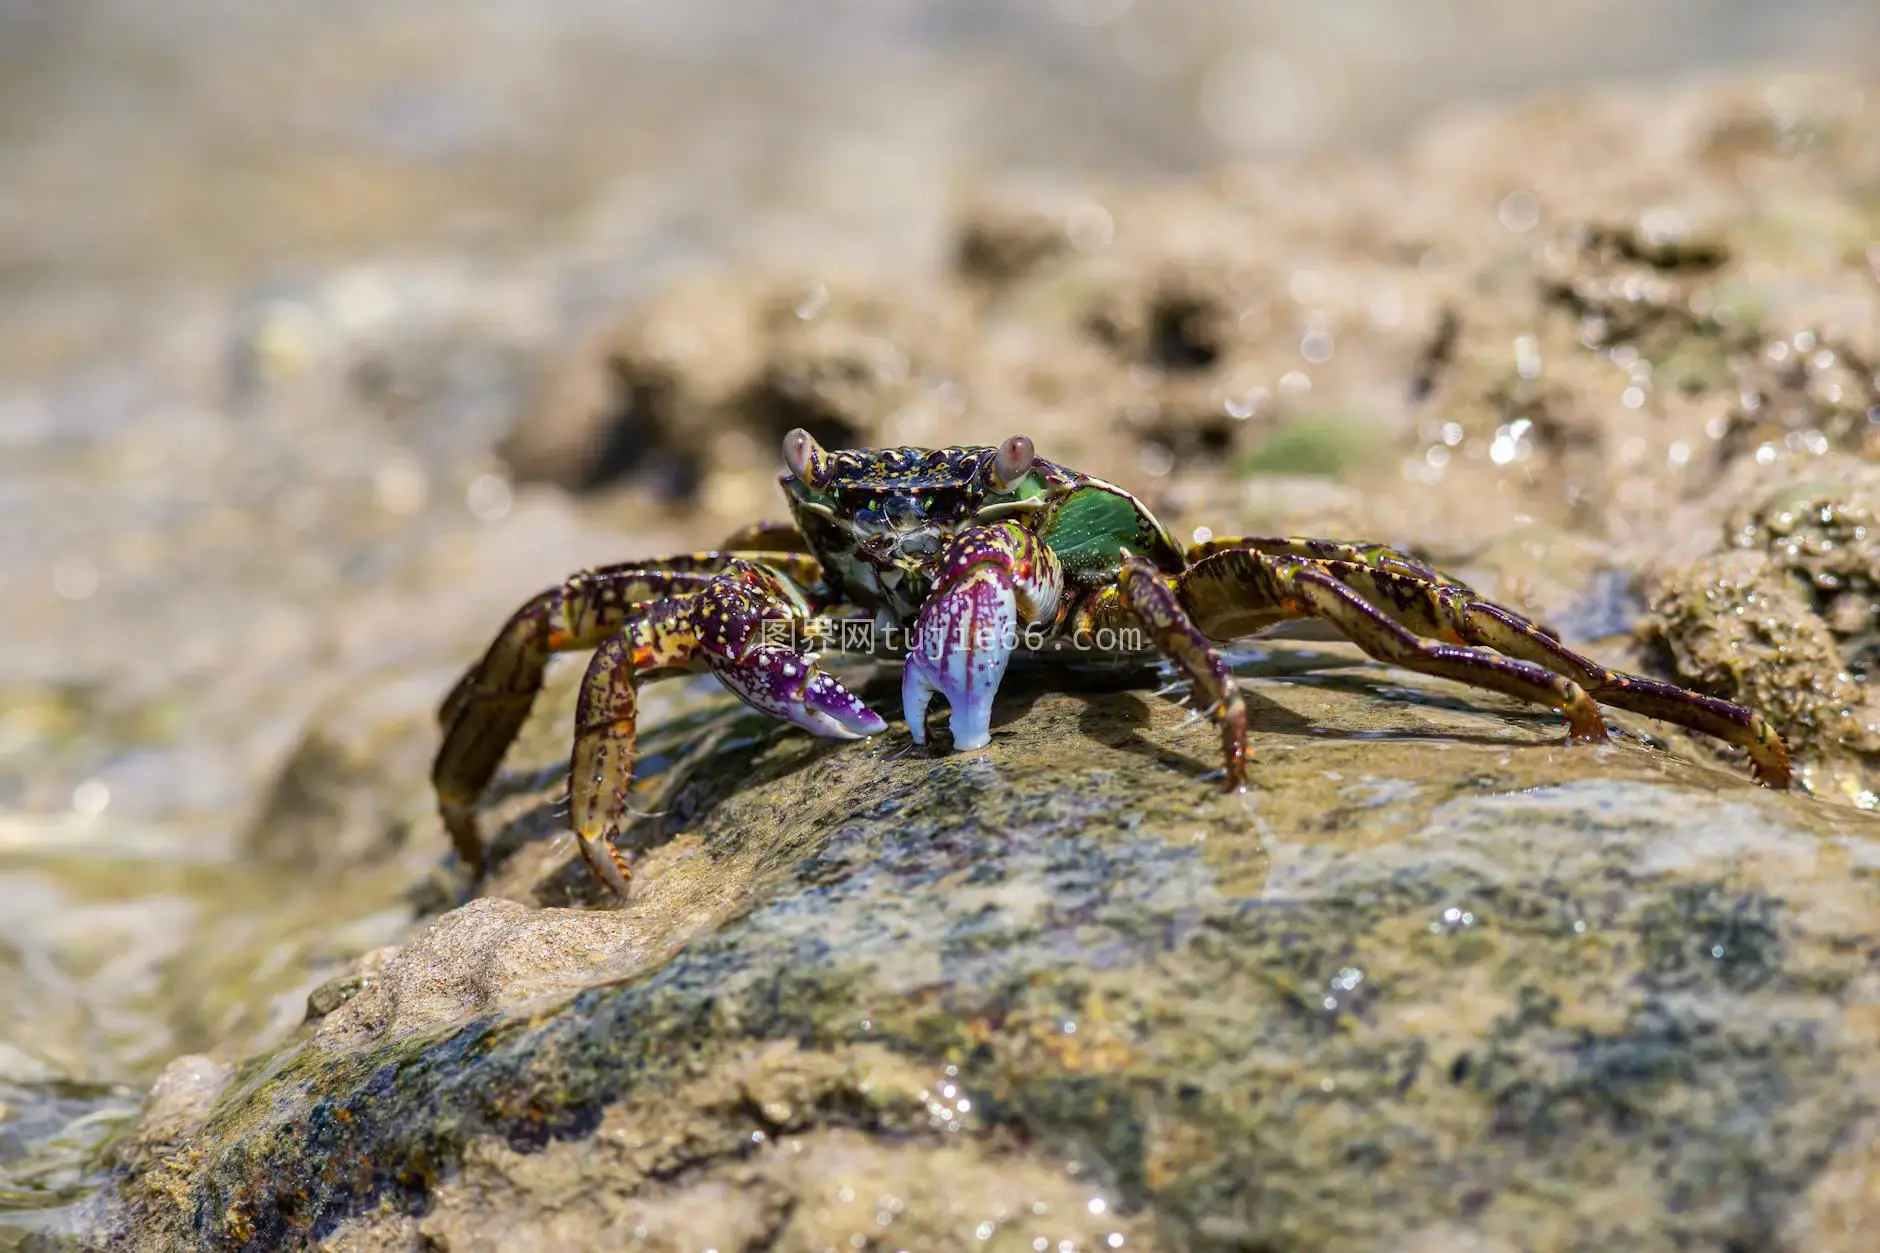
{"x": 1013, "y": 459}
{"x": 806, "y": 459}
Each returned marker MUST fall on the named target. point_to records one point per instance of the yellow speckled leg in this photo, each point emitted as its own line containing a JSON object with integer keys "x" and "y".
{"x": 1472, "y": 620}
{"x": 1381, "y": 611}
{"x": 1449, "y": 610}
{"x": 1429, "y": 604}
{"x": 769, "y": 537}
{"x": 1381, "y": 556}
{"x": 1143, "y": 597}
{"x": 607, "y": 725}
{"x": 744, "y": 627}
{"x": 488, "y": 705}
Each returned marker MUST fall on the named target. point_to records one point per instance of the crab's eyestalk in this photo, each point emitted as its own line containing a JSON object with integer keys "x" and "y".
{"x": 806, "y": 459}
{"x": 1012, "y": 462}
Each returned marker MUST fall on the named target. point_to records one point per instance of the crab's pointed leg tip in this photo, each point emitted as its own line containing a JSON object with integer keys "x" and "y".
{"x": 916, "y": 694}
{"x": 790, "y": 686}
{"x": 830, "y": 709}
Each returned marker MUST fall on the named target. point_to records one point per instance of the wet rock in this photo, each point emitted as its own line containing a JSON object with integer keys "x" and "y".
{"x": 1436, "y": 978}
{"x": 691, "y": 396}
{"x": 1785, "y": 619}
{"x": 1511, "y": 327}
{"x": 173, "y": 1113}
{"x": 1013, "y": 235}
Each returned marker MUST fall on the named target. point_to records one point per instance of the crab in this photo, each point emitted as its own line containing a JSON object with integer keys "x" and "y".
{"x": 956, "y": 559}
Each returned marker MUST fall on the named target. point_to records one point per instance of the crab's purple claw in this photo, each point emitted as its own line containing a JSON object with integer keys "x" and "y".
{"x": 790, "y": 685}
{"x": 962, "y": 641}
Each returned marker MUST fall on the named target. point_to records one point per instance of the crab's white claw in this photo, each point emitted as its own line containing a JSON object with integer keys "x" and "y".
{"x": 962, "y": 642}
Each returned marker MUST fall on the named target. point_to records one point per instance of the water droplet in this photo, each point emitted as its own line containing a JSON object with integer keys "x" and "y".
{"x": 1519, "y": 211}
{"x": 91, "y": 798}
{"x": 489, "y": 497}
{"x": 1527, "y": 357}
{"x": 74, "y": 578}
{"x": 1090, "y": 227}
{"x": 813, "y": 303}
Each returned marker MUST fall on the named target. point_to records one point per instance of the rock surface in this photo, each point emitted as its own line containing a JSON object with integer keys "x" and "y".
{"x": 1436, "y": 980}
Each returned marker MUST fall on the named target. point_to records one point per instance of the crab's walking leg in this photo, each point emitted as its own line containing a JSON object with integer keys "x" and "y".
{"x": 1223, "y": 590}
{"x": 769, "y": 537}
{"x": 1432, "y": 603}
{"x": 1452, "y": 611}
{"x": 489, "y": 704}
{"x": 992, "y": 579}
{"x": 1143, "y": 594}
{"x": 606, "y": 722}
{"x": 736, "y": 627}
{"x": 1381, "y": 556}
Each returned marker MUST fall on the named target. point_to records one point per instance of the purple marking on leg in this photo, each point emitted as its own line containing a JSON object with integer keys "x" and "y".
{"x": 788, "y": 685}
{"x": 962, "y": 641}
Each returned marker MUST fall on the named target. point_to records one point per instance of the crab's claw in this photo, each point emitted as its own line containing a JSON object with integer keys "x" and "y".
{"x": 790, "y": 685}
{"x": 962, "y": 641}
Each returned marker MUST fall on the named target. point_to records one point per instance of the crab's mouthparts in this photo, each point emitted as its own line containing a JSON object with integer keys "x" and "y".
{"x": 892, "y": 543}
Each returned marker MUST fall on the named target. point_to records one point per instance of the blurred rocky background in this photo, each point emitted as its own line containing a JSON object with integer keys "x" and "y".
{"x": 330, "y": 331}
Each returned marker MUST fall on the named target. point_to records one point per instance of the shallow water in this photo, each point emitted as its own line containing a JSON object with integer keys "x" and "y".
{"x": 271, "y": 282}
